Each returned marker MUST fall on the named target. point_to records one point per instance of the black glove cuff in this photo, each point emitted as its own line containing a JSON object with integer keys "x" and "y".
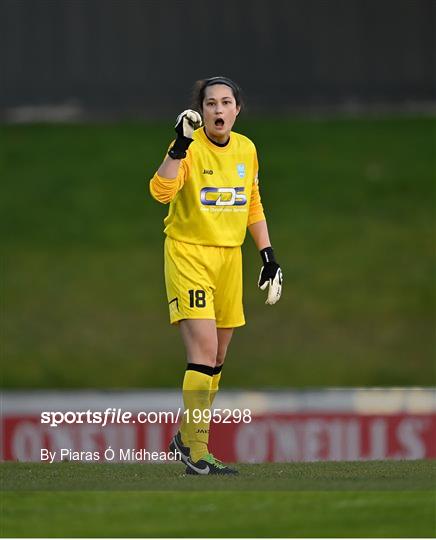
{"x": 267, "y": 255}
{"x": 178, "y": 150}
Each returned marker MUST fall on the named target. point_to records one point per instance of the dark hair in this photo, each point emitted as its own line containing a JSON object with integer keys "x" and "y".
{"x": 200, "y": 89}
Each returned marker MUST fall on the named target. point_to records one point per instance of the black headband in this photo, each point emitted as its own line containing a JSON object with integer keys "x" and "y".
{"x": 222, "y": 80}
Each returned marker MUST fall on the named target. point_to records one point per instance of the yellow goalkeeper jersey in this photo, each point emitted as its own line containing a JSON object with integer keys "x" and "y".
{"x": 215, "y": 195}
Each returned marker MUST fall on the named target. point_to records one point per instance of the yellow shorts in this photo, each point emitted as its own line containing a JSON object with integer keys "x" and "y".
{"x": 204, "y": 282}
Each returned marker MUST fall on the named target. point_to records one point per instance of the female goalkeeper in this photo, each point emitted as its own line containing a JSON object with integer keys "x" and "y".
{"x": 210, "y": 179}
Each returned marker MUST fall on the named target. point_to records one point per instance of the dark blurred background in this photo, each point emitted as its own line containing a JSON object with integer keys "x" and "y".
{"x": 137, "y": 56}
{"x": 340, "y": 103}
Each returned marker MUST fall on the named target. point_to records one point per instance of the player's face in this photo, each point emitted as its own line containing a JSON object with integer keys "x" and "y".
{"x": 219, "y": 112}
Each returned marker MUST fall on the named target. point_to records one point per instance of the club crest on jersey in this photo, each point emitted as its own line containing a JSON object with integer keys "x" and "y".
{"x": 241, "y": 169}
{"x": 212, "y": 196}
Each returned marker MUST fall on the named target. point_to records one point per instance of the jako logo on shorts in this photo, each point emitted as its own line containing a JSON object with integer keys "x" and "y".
{"x": 226, "y": 196}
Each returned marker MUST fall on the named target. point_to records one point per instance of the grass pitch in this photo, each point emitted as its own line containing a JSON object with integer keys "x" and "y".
{"x": 354, "y": 499}
{"x": 351, "y": 214}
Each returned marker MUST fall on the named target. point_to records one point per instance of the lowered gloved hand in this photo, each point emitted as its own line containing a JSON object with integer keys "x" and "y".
{"x": 186, "y": 123}
{"x": 270, "y": 276}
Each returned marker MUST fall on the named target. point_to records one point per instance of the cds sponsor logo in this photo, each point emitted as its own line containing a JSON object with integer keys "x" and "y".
{"x": 224, "y": 196}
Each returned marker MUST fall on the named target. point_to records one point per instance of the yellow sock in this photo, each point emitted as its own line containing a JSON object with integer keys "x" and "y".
{"x": 215, "y": 384}
{"x": 213, "y": 391}
{"x": 196, "y": 396}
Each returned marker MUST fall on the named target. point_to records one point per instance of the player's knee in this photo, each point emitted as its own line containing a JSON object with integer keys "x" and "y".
{"x": 208, "y": 351}
{"x": 220, "y": 357}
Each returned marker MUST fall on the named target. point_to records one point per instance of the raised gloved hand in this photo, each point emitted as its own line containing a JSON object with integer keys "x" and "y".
{"x": 186, "y": 123}
{"x": 270, "y": 276}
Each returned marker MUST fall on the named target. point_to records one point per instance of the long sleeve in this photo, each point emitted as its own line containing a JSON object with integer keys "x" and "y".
{"x": 165, "y": 189}
{"x": 255, "y": 212}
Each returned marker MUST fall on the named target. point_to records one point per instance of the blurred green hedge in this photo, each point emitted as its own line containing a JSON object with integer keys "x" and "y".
{"x": 350, "y": 207}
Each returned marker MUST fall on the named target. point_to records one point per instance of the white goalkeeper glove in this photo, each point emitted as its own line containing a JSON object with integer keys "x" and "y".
{"x": 270, "y": 276}
{"x": 186, "y": 123}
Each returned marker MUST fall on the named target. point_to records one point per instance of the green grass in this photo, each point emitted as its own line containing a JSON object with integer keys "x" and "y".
{"x": 314, "y": 476}
{"x": 352, "y": 499}
{"x": 350, "y": 206}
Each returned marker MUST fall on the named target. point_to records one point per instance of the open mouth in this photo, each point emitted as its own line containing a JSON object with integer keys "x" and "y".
{"x": 219, "y": 122}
